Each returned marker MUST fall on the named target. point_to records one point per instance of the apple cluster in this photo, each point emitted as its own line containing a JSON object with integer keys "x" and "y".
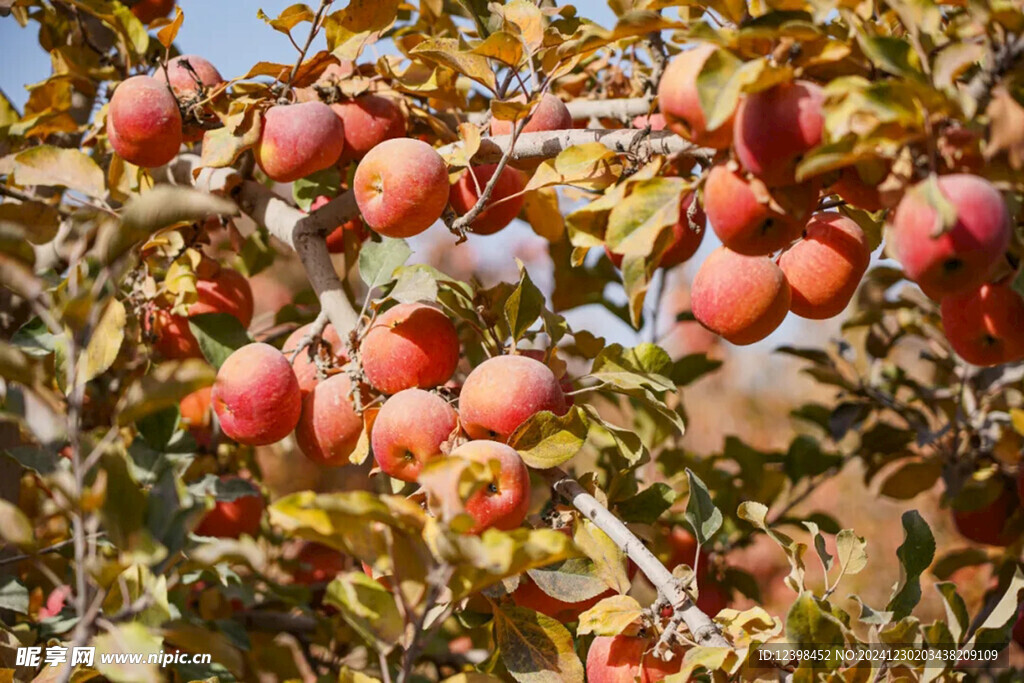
{"x": 745, "y": 289}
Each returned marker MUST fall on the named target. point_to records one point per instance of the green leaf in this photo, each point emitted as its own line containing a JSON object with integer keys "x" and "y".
{"x": 810, "y": 626}
{"x": 692, "y": 367}
{"x": 219, "y": 335}
{"x": 35, "y": 338}
{"x": 954, "y": 560}
{"x": 892, "y": 54}
{"x": 13, "y": 595}
{"x": 535, "y": 648}
{"x": 701, "y": 513}
{"x": 414, "y": 284}
{"x": 379, "y": 260}
{"x": 628, "y": 444}
{"x": 164, "y": 386}
{"x": 610, "y": 617}
{"x": 915, "y": 555}
{"x": 818, "y": 541}
{"x": 55, "y": 167}
{"x": 524, "y": 305}
{"x": 1018, "y": 286}
{"x": 644, "y": 366}
{"x": 547, "y": 440}
{"x": 369, "y": 608}
{"x": 325, "y": 183}
{"x": 717, "y": 100}
{"x": 648, "y": 505}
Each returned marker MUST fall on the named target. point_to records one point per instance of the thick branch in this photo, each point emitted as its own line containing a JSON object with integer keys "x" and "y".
{"x": 305, "y": 234}
{"x": 1003, "y": 59}
{"x": 547, "y": 144}
{"x": 702, "y": 628}
{"x": 623, "y": 109}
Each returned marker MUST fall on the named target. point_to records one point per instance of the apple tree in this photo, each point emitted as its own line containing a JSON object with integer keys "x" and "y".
{"x": 500, "y": 492}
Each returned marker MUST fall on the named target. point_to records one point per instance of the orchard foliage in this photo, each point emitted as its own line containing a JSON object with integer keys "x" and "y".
{"x": 811, "y": 137}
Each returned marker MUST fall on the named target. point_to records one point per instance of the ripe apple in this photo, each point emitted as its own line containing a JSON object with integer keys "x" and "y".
{"x": 232, "y": 518}
{"x": 410, "y": 345}
{"x": 504, "y": 203}
{"x": 825, "y": 267}
{"x": 742, "y": 215}
{"x": 627, "y": 659}
{"x": 256, "y": 396}
{"x": 143, "y": 122}
{"x": 401, "y": 187}
{"x": 304, "y": 367}
{"x": 985, "y": 326}
{"x": 183, "y": 81}
{"x": 775, "y": 128}
{"x": 987, "y": 524}
{"x": 964, "y": 256}
{"x": 409, "y": 431}
{"x": 550, "y": 114}
{"x": 149, "y": 10}
{"x": 196, "y": 415}
{"x": 299, "y": 139}
{"x": 680, "y": 104}
{"x": 328, "y": 429}
{"x": 504, "y": 392}
{"x": 503, "y": 503}
{"x": 369, "y": 120}
{"x": 741, "y": 298}
{"x": 318, "y": 564}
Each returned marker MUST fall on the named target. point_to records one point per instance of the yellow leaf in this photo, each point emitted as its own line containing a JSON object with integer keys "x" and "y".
{"x": 536, "y": 648}
{"x": 131, "y": 638}
{"x": 446, "y": 51}
{"x": 591, "y": 166}
{"x": 55, "y": 167}
{"x": 105, "y": 343}
{"x": 501, "y": 46}
{"x": 15, "y": 527}
{"x": 541, "y": 210}
{"x": 610, "y": 617}
{"x": 168, "y": 33}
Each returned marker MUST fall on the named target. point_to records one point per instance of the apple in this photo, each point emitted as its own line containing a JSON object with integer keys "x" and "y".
{"x": 410, "y": 430}
{"x": 628, "y": 659}
{"x": 503, "y": 503}
{"x": 256, "y": 395}
{"x": 410, "y": 345}
{"x": 232, "y": 518}
{"x": 679, "y": 102}
{"x": 985, "y": 326}
{"x": 328, "y": 429}
{"x": 299, "y": 139}
{"x": 143, "y": 122}
{"x": 504, "y": 392}
{"x": 504, "y": 203}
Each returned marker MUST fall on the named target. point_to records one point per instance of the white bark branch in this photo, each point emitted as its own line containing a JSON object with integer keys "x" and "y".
{"x": 624, "y": 109}
{"x": 702, "y": 628}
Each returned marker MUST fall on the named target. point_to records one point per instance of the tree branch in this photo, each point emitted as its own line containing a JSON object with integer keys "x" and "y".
{"x": 981, "y": 86}
{"x": 703, "y": 629}
{"x": 623, "y": 109}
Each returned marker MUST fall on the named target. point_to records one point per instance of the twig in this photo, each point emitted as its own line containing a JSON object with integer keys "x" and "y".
{"x": 56, "y": 547}
{"x": 324, "y": 4}
{"x": 439, "y": 579}
{"x": 316, "y": 331}
{"x": 704, "y": 631}
{"x": 1003, "y": 58}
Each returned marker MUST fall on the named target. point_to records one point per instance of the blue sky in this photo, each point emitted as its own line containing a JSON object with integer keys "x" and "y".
{"x": 231, "y": 35}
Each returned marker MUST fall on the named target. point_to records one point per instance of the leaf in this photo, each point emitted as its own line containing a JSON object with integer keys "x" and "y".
{"x": 541, "y": 211}
{"x": 648, "y": 505}
{"x": 547, "y": 440}
{"x": 930, "y": 193}
{"x": 348, "y": 30}
{"x": 692, "y": 367}
{"x": 414, "y": 284}
{"x": 219, "y": 335}
{"x": 379, "y": 260}
{"x": 892, "y": 54}
{"x": 629, "y": 445}
{"x": 535, "y": 648}
{"x": 502, "y": 47}
{"x": 104, "y": 344}
{"x": 15, "y": 527}
{"x": 37, "y": 222}
{"x": 13, "y": 595}
{"x": 915, "y": 555}
{"x": 610, "y": 617}
{"x": 610, "y": 562}
{"x": 808, "y": 625}
{"x": 643, "y": 366}
{"x": 164, "y": 386}
{"x": 636, "y": 223}
{"x": 995, "y": 630}
{"x": 956, "y": 611}
{"x": 851, "y": 552}
{"x": 127, "y": 640}
{"x": 717, "y": 100}
{"x": 161, "y": 207}
{"x": 325, "y": 183}
{"x": 55, "y": 167}
{"x": 289, "y": 18}
{"x": 756, "y": 514}
{"x": 818, "y": 541}
{"x": 369, "y": 608}
{"x": 524, "y": 305}
{"x": 446, "y": 51}
{"x": 591, "y": 166}
{"x": 168, "y": 33}
{"x": 911, "y": 478}
{"x": 701, "y": 513}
